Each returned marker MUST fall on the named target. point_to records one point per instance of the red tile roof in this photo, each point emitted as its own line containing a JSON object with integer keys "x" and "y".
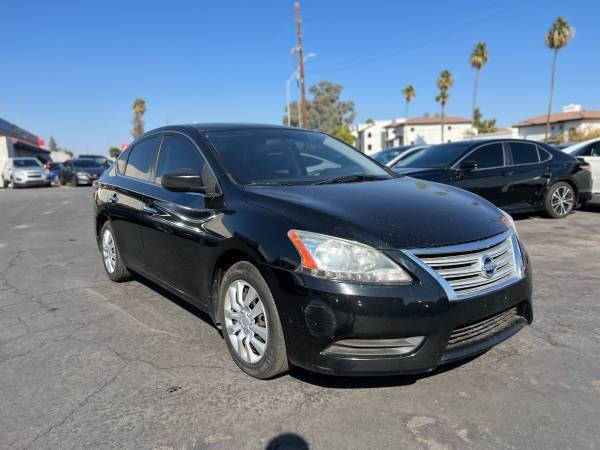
{"x": 560, "y": 117}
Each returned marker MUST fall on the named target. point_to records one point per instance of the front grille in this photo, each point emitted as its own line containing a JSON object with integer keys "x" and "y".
{"x": 473, "y": 268}
{"x": 475, "y": 332}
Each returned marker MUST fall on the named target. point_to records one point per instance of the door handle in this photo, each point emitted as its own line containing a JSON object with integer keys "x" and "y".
{"x": 149, "y": 209}
{"x": 507, "y": 173}
{"x": 114, "y": 198}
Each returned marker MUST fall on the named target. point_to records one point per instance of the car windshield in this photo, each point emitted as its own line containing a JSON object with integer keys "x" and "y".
{"x": 282, "y": 156}
{"x": 26, "y": 163}
{"x": 98, "y": 159}
{"x": 385, "y": 156}
{"x": 437, "y": 156}
{"x": 90, "y": 163}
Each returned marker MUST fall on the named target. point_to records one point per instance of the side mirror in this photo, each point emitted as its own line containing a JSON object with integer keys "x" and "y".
{"x": 469, "y": 166}
{"x": 183, "y": 180}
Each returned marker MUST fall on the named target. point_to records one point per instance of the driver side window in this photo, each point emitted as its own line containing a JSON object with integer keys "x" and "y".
{"x": 177, "y": 152}
{"x": 488, "y": 156}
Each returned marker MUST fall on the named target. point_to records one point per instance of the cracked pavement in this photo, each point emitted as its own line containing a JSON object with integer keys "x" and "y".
{"x": 89, "y": 363}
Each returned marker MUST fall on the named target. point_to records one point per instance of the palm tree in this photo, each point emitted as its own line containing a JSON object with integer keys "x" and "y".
{"x": 409, "y": 94}
{"x": 139, "y": 109}
{"x": 557, "y": 37}
{"x": 478, "y": 59}
{"x": 444, "y": 83}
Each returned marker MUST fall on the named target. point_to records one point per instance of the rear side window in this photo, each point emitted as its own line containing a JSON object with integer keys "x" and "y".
{"x": 141, "y": 158}
{"x": 177, "y": 152}
{"x": 122, "y": 161}
{"x": 523, "y": 153}
{"x": 490, "y": 155}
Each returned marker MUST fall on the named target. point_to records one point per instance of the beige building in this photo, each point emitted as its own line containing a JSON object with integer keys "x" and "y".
{"x": 573, "y": 119}
{"x": 428, "y": 130}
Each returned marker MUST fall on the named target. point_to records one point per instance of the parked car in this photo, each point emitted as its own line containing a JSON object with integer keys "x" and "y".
{"x": 52, "y": 170}
{"x": 515, "y": 175}
{"x": 408, "y": 151}
{"x": 24, "y": 172}
{"x": 563, "y": 145}
{"x": 345, "y": 269}
{"x": 80, "y": 171}
{"x": 589, "y": 151}
{"x": 386, "y": 155}
{"x": 102, "y": 160}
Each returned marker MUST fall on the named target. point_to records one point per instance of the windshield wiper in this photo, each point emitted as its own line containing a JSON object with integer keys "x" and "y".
{"x": 269, "y": 183}
{"x": 352, "y": 179}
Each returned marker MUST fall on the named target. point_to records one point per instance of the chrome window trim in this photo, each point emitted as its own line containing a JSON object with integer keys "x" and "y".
{"x": 470, "y": 246}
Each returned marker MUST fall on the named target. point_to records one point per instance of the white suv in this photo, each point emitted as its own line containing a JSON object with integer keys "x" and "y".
{"x": 22, "y": 172}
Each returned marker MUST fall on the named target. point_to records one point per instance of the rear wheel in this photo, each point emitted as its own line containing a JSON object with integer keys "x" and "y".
{"x": 560, "y": 200}
{"x": 113, "y": 263}
{"x": 250, "y": 322}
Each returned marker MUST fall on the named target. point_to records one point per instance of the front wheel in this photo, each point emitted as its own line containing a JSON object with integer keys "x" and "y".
{"x": 250, "y": 322}
{"x": 4, "y": 182}
{"x": 113, "y": 263}
{"x": 560, "y": 200}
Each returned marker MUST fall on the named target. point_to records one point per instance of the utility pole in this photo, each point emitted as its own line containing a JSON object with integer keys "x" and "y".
{"x": 303, "y": 113}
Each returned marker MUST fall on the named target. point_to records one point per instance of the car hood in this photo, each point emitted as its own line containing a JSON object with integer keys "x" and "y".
{"x": 413, "y": 170}
{"x": 398, "y": 213}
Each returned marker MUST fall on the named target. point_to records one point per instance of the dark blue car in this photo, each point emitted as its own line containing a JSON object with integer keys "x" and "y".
{"x": 53, "y": 168}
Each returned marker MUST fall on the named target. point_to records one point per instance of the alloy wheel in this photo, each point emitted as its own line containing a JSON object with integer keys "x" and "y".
{"x": 562, "y": 200}
{"x": 246, "y": 322}
{"x": 109, "y": 251}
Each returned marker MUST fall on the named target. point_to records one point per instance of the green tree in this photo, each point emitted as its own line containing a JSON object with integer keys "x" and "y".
{"x": 68, "y": 152}
{"x": 139, "y": 109}
{"x": 370, "y": 121}
{"x": 326, "y": 111}
{"x": 344, "y": 133}
{"x": 295, "y": 115}
{"x": 409, "y": 94}
{"x": 52, "y": 145}
{"x": 478, "y": 59}
{"x": 444, "y": 83}
{"x": 114, "y": 152}
{"x": 483, "y": 126}
{"x": 557, "y": 37}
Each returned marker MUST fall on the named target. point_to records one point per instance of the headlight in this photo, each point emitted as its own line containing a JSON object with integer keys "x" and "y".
{"x": 81, "y": 174}
{"x": 507, "y": 220}
{"x": 338, "y": 259}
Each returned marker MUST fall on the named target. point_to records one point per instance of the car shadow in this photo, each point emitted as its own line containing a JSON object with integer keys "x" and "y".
{"x": 370, "y": 382}
{"x": 189, "y": 307}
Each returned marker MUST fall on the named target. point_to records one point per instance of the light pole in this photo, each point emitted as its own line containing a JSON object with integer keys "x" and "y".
{"x": 287, "y": 90}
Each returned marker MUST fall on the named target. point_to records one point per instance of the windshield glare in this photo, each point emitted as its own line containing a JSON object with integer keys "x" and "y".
{"x": 86, "y": 163}
{"x": 26, "y": 163}
{"x": 273, "y": 156}
{"x": 437, "y": 156}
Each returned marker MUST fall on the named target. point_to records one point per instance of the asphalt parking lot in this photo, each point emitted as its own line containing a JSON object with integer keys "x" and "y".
{"x": 88, "y": 363}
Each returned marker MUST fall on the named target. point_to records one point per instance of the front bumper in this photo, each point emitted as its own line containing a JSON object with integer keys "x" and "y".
{"x": 26, "y": 182}
{"x": 315, "y": 313}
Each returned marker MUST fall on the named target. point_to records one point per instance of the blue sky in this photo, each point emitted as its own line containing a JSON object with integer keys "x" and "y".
{"x": 72, "y": 69}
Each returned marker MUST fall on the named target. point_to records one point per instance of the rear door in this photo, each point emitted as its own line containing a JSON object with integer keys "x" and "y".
{"x": 489, "y": 179}
{"x": 175, "y": 241}
{"x": 528, "y": 174}
{"x": 126, "y": 199}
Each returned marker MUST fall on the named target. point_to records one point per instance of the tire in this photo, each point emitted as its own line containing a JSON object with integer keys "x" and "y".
{"x": 240, "y": 329}
{"x": 74, "y": 181}
{"x": 111, "y": 258}
{"x": 560, "y": 200}
{"x": 13, "y": 185}
{"x": 4, "y": 183}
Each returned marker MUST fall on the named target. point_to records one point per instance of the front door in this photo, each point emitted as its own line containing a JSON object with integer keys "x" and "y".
{"x": 175, "y": 240}
{"x": 591, "y": 154}
{"x": 527, "y": 175}
{"x": 489, "y": 178}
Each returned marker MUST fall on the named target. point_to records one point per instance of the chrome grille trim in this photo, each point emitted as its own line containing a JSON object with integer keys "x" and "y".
{"x": 458, "y": 268}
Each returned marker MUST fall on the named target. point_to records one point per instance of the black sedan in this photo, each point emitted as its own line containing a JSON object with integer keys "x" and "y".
{"x": 306, "y": 252}
{"x": 80, "y": 171}
{"x": 515, "y": 175}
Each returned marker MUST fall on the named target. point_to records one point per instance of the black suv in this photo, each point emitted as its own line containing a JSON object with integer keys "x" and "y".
{"x": 514, "y": 174}
{"x": 306, "y": 252}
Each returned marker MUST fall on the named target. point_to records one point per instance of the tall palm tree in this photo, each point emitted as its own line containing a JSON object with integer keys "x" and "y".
{"x": 444, "y": 83}
{"x": 409, "y": 95}
{"x": 478, "y": 59}
{"x": 139, "y": 109}
{"x": 557, "y": 37}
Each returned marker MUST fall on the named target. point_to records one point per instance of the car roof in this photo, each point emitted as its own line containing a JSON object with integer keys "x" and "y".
{"x": 219, "y": 126}
{"x": 25, "y": 157}
{"x": 578, "y": 145}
